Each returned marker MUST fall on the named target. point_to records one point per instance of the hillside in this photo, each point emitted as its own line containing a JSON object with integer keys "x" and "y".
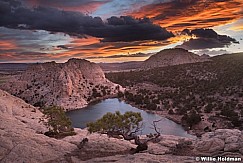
{"x": 71, "y": 85}
{"x": 211, "y": 92}
{"x": 169, "y": 57}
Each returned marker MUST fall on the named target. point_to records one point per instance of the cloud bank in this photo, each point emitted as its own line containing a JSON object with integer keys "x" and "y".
{"x": 206, "y": 39}
{"x": 123, "y": 29}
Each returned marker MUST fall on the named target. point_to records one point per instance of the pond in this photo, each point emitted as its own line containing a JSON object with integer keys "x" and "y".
{"x": 93, "y": 112}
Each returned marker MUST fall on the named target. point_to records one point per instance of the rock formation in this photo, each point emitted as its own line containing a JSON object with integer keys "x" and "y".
{"x": 20, "y": 134}
{"x": 169, "y": 57}
{"x": 71, "y": 85}
{"x": 220, "y": 142}
{"x": 21, "y": 140}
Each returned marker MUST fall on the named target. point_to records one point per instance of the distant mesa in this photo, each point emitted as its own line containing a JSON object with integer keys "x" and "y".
{"x": 167, "y": 57}
{"x": 71, "y": 85}
{"x": 176, "y": 56}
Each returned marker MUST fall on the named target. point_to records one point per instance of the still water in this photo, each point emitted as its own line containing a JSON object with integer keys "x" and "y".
{"x": 93, "y": 112}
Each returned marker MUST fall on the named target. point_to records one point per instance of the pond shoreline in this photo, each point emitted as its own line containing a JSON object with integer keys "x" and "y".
{"x": 96, "y": 110}
{"x": 174, "y": 118}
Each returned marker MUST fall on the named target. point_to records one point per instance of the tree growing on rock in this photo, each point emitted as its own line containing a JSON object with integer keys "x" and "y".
{"x": 58, "y": 123}
{"x": 127, "y": 125}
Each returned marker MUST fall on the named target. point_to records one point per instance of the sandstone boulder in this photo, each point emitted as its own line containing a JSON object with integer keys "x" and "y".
{"x": 210, "y": 145}
{"x": 225, "y": 133}
{"x": 232, "y": 147}
{"x": 232, "y": 139}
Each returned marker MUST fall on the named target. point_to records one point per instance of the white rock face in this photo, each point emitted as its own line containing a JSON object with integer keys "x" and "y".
{"x": 169, "y": 57}
{"x": 210, "y": 145}
{"x": 71, "y": 85}
{"x": 20, "y": 138}
{"x": 222, "y": 140}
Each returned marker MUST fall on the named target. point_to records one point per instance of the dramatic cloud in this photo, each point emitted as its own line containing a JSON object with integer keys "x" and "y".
{"x": 126, "y": 28}
{"x": 206, "y": 39}
{"x": 180, "y": 14}
{"x": 45, "y": 30}
{"x": 39, "y": 46}
{"x": 123, "y": 56}
{"x": 92, "y": 48}
{"x": 78, "y": 24}
{"x": 18, "y": 44}
{"x": 85, "y": 6}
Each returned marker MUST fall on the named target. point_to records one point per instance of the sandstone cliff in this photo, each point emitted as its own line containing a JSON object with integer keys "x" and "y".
{"x": 169, "y": 57}
{"x": 71, "y": 85}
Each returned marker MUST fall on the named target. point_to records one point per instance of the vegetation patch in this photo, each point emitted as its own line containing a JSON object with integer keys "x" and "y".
{"x": 58, "y": 123}
{"x": 126, "y": 126}
{"x": 210, "y": 89}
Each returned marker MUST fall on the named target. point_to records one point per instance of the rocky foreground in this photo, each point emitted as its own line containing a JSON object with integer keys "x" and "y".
{"x": 71, "y": 85}
{"x": 21, "y": 140}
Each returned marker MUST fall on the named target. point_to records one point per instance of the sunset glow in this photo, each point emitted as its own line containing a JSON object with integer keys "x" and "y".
{"x": 42, "y": 30}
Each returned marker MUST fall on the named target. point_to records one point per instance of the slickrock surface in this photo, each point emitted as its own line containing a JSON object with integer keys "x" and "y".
{"x": 100, "y": 148}
{"x": 221, "y": 142}
{"x": 21, "y": 141}
{"x": 169, "y": 57}
{"x": 71, "y": 85}
{"x": 20, "y": 138}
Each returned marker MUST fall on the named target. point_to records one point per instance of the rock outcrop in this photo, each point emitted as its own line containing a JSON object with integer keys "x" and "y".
{"x": 71, "y": 85}
{"x": 20, "y": 134}
{"x": 21, "y": 140}
{"x": 220, "y": 142}
{"x": 169, "y": 57}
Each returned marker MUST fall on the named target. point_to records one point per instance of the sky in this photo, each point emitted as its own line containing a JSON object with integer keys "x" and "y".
{"x": 116, "y": 30}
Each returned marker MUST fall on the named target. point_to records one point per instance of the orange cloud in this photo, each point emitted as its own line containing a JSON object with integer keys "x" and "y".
{"x": 92, "y": 47}
{"x": 86, "y": 7}
{"x": 7, "y": 45}
{"x": 177, "y": 16}
{"x": 237, "y": 26}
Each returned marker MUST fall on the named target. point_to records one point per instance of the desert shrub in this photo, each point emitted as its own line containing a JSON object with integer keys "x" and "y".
{"x": 120, "y": 94}
{"x": 192, "y": 118}
{"x": 151, "y": 106}
{"x": 170, "y": 111}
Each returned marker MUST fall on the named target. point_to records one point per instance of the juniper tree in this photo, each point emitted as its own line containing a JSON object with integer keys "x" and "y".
{"x": 127, "y": 125}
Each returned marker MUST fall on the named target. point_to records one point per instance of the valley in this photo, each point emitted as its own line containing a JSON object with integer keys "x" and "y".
{"x": 204, "y": 97}
{"x": 201, "y": 96}
{"x": 121, "y": 81}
